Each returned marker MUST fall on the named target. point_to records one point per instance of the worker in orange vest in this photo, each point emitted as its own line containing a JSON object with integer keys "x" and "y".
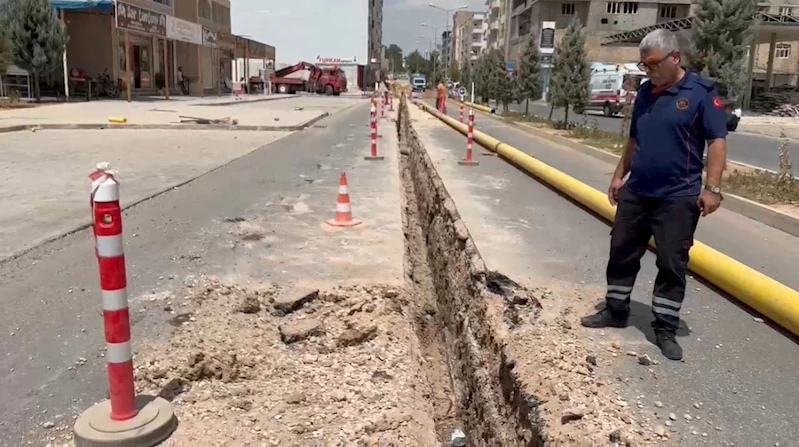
{"x": 442, "y": 97}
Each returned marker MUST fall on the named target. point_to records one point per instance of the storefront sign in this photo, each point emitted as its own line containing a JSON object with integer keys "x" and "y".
{"x": 140, "y": 19}
{"x": 184, "y": 30}
{"x": 209, "y": 37}
{"x": 336, "y": 60}
{"x": 547, "y": 43}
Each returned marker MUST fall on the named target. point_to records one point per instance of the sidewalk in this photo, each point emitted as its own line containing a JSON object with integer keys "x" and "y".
{"x": 265, "y": 111}
{"x": 737, "y": 384}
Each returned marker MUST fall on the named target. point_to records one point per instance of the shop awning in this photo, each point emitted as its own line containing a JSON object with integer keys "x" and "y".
{"x": 106, "y": 6}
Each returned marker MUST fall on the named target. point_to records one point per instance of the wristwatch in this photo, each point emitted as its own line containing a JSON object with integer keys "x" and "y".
{"x": 713, "y": 189}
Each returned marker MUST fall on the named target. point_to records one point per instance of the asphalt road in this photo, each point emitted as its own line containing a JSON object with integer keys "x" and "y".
{"x": 741, "y": 373}
{"x": 755, "y": 150}
{"x": 52, "y": 366}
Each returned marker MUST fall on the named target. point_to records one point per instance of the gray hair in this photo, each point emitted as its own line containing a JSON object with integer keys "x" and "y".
{"x": 660, "y": 39}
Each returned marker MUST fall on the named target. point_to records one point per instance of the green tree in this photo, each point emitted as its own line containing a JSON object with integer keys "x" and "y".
{"x": 570, "y": 72}
{"x": 37, "y": 38}
{"x": 507, "y": 86}
{"x": 455, "y": 73}
{"x": 722, "y": 33}
{"x": 489, "y": 75}
{"x": 530, "y": 74}
{"x": 416, "y": 63}
{"x": 467, "y": 75}
{"x": 394, "y": 57}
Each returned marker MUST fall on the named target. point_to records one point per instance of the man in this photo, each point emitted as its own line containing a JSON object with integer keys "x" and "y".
{"x": 442, "y": 97}
{"x": 674, "y": 115}
{"x": 184, "y": 88}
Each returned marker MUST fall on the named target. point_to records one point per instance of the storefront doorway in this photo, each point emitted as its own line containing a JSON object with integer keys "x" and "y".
{"x": 136, "y": 65}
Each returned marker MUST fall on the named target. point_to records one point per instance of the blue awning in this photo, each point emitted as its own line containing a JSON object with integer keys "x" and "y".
{"x": 106, "y": 6}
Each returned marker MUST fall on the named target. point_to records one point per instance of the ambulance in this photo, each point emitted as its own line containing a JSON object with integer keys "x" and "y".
{"x": 612, "y": 85}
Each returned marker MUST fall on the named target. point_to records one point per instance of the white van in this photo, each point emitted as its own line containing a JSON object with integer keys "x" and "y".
{"x": 611, "y": 84}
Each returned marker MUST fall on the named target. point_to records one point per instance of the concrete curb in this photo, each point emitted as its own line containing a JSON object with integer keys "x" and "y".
{"x": 753, "y": 210}
{"x": 234, "y": 102}
{"x": 109, "y": 126}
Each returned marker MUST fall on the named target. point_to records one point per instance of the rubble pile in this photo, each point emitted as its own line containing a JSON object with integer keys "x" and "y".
{"x": 297, "y": 366}
{"x": 779, "y": 101}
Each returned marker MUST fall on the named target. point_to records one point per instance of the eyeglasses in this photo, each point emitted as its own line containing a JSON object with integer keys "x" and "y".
{"x": 652, "y": 66}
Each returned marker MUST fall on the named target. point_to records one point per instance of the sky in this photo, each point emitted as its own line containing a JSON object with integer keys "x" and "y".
{"x": 301, "y": 30}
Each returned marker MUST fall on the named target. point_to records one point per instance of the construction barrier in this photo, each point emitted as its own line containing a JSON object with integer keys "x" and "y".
{"x": 124, "y": 419}
{"x": 469, "y": 143}
{"x": 343, "y": 209}
{"x": 766, "y": 295}
{"x": 373, "y": 136}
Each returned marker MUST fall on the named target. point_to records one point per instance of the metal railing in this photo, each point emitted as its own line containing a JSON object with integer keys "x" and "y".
{"x": 635, "y": 36}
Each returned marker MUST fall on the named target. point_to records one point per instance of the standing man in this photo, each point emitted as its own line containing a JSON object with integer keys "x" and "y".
{"x": 442, "y": 97}
{"x": 675, "y": 114}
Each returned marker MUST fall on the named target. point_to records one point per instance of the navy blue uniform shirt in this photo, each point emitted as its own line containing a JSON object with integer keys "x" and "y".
{"x": 670, "y": 129}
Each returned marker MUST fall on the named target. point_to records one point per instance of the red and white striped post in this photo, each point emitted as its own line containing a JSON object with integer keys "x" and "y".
{"x": 373, "y": 146}
{"x": 383, "y": 109}
{"x": 468, "y": 161}
{"x": 124, "y": 419}
{"x": 461, "y": 113}
{"x": 107, "y": 218}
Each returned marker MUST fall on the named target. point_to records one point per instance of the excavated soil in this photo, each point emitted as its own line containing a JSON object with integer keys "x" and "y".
{"x": 524, "y": 376}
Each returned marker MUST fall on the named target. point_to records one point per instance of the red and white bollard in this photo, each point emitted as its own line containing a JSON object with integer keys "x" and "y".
{"x": 383, "y": 110}
{"x": 468, "y": 161}
{"x": 373, "y": 146}
{"x": 461, "y": 113}
{"x": 146, "y": 421}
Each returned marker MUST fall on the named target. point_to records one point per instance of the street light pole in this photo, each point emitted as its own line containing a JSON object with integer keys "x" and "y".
{"x": 446, "y": 26}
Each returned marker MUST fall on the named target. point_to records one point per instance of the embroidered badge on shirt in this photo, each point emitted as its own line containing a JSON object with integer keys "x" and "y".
{"x": 682, "y": 104}
{"x": 717, "y": 102}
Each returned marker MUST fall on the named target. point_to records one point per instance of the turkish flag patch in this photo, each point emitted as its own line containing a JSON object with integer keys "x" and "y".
{"x": 717, "y": 102}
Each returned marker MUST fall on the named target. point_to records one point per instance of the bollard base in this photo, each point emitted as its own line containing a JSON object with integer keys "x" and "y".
{"x": 468, "y": 162}
{"x": 375, "y": 158}
{"x": 153, "y": 425}
{"x": 343, "y": 223}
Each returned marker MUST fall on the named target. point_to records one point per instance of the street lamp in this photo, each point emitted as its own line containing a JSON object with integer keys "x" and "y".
{"x": 433, "y": 5}
{"x": 432, "y": 46}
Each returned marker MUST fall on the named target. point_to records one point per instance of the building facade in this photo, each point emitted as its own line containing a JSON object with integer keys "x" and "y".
{"x": 375, "y": 43}
{"x": 154, "y": 37}
{"x": 468, "y": 36}
{"x": 445, "y": 49}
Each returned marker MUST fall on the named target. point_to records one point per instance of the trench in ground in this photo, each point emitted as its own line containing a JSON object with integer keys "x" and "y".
{"x": 473, "y": 382}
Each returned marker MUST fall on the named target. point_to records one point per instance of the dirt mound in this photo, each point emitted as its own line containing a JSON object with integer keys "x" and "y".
{"x": 291, "y": 367}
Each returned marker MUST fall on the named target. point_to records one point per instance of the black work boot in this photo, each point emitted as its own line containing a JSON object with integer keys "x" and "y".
{"x": 604, "y": 318}
{"x": 667, "y": 342}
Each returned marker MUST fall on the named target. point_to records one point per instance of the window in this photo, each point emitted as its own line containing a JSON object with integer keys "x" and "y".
{"x": 164, "y": 2}
{"x": 668, "y": 11}
{"x": 567, "y": 9}
{"x": 786, "y": 11}
{"x": 622, "y": 8}
{"x": 204, "y": 7}
{"x": 783, "y": 51}
{"x": 221, "y": 14}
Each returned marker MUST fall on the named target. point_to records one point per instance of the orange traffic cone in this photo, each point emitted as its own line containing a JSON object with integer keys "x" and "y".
{"x": 343, "y": 210}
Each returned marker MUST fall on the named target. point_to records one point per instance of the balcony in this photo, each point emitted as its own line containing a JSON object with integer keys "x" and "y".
{"x": 494, "y": 25}
{"x": 494, "y": 5}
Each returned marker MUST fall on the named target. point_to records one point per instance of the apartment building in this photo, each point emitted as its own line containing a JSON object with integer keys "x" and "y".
{"x": 445, "y": 48}
{"x": 497, "y": 28}
{"x": 605, "y": 19}
{"x": 468, "y": 35}
{"x": 375, "y": 43}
